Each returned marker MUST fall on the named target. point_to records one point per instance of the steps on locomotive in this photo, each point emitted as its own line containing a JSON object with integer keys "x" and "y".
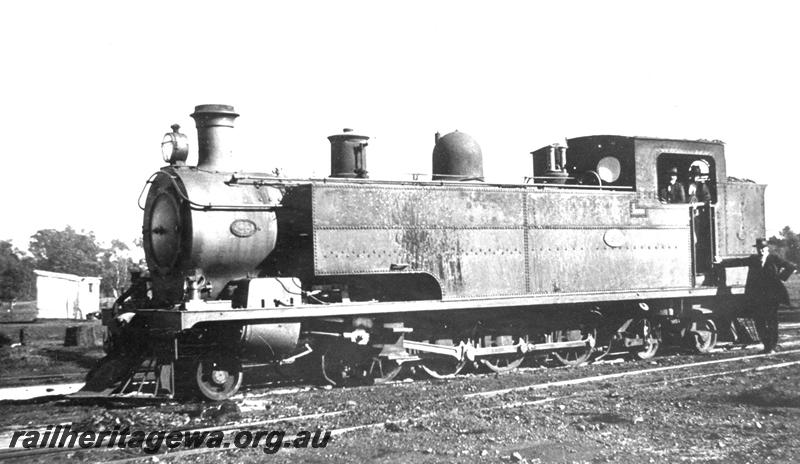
{"x": 145, "y": 377}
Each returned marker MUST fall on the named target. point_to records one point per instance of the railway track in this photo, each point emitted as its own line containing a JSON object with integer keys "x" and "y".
{"x": 27, "y": 378}
{"x": 562, "y": 390}
{"x": 280, "y": 382}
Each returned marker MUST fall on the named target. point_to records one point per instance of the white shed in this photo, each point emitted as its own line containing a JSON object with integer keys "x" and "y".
{"x": 66, "y": 296}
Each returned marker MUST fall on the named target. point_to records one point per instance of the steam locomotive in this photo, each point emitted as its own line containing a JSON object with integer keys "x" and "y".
{"x": 355, "y": 278}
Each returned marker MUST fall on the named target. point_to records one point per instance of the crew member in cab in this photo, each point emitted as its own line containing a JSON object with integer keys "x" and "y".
{"x": 697, "y": 191}
{"x": 673, "y": 191}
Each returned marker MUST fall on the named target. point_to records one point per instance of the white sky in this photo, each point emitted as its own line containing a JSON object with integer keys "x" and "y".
{"x": 89, "y": 88}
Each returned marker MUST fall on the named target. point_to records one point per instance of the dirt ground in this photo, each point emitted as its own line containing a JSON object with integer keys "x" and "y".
{"x": 44, "y": 353}
{"x": 745, "y": 410}
{"x": 726, "y": 412}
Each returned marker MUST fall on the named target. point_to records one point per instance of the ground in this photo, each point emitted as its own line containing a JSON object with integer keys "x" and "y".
{"x": 735, "y": 407}
{"x": 728, "y": 416}
{"x": 43, "y": 352}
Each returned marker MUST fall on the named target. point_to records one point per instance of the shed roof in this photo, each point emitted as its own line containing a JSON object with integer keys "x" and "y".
{"x": 61, "y": 275}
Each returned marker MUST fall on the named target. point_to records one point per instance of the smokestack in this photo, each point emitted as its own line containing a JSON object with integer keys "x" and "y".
{"x": 214, "y": 144}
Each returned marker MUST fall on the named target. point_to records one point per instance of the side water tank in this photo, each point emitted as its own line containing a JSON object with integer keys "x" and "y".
{"x": 456, "y": 157}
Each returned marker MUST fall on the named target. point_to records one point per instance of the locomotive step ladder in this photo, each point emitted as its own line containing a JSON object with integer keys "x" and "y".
{"x": 149, "y": 378}
{"x": 143, "y": 377}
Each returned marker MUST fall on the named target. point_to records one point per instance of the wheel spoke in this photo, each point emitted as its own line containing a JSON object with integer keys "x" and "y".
{"x": 442, "y": 367}
{"x": 341, "y": 367}
{"x": 503, "y": 364}
{"x": 384, "y": 370}
{"x": 704, "y": 337}
{"x": 345, "y": 364}
{"x": 576, "y": 356}
{"x": 439, "y": 366}
{"x": 644, "y": 329}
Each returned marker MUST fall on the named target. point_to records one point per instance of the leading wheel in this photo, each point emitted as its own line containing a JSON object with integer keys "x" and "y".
{"x": 342, "y": 364}
{"x": 218, "y": 377}
{"x": 347, "y": 364}
{"x": 383, "y": 370}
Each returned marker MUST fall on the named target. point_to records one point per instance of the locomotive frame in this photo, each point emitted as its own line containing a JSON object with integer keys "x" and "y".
{"x": 364, "y": 276}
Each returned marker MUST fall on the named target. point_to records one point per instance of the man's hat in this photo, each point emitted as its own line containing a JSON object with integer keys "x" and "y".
{"x": 761, "y": 243}
{"x": 673, "y": 171}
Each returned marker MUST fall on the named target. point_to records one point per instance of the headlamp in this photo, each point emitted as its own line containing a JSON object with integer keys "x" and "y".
{"x": 174, "y": 146}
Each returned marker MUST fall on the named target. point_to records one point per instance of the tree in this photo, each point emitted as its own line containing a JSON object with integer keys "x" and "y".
{"x": 115, "y": 262}
{"x": 16, "y": 273}
{"x": 79, "y": 253}
{"x": 66, "y": 251}
{"x": 787, "y": 246}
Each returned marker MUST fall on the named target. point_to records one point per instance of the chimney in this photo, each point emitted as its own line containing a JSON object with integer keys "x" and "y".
{"x": 214, "y": 145}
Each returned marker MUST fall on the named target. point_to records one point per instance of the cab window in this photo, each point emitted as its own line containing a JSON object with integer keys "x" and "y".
{"x": 694, "y": 175}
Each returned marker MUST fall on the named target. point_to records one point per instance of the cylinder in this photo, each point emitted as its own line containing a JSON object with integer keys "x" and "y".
{"x": 348, "y": 155}
{"x": 456, "y": 157}
{"x": 214, "y": 141}
{"x": 265, "y": 342}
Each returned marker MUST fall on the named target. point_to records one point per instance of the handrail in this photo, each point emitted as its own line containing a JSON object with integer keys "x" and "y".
{"x": 207, "y": 207}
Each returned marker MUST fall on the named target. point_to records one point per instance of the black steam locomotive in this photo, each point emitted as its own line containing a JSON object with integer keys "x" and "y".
{"x": 355, "y": 278}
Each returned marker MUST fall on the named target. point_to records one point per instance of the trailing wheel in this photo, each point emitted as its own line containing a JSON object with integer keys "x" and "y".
{"x": 703, "y": 336}
{"x": 218, "y": 377}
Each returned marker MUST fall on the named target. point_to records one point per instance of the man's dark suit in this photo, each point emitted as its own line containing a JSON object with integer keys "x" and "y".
{"x": 672, "y": 193}
{"x": 764, "y": 291}
{"x": 697, "y": 192}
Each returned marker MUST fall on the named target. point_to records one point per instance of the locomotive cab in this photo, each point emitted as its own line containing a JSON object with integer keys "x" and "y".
{"x": 696, "y": 179}
{"x": 642, "y": 166}
{"x": 588, "y": 163}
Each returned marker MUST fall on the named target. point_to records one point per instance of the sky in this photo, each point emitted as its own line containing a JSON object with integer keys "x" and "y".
{"x": 89, "y": 88}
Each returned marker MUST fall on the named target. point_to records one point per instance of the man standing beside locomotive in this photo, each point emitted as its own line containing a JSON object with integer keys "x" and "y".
{"x": 673, "y": 191}
{"x": 764, "y": 289}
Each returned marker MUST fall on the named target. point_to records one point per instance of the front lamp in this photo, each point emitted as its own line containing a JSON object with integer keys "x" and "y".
{"x": 174, "y": 146}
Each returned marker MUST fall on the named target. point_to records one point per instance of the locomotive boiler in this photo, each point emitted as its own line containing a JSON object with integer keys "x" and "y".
{"x": 355, "y": 278}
